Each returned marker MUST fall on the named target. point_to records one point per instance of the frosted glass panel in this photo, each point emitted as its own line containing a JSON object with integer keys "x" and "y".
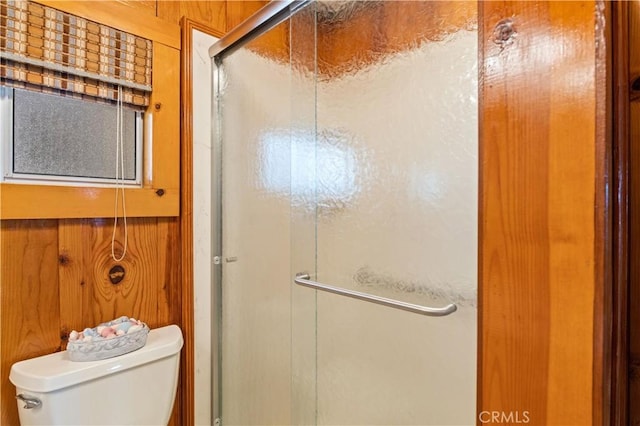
{"x": 397, "y": 132}
{"x": 54, "y": 135}
{"x": 348, "y": 142}
{"x": 254, "y": 106}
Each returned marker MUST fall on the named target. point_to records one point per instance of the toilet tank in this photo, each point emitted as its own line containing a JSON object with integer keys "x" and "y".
{"x": 137, "y": 388}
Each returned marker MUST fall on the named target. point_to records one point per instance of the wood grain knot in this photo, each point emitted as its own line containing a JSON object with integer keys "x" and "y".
{"x": 504, "y": 33}
{"x": 116, "y": 274}
{"x": 63, "y": 259}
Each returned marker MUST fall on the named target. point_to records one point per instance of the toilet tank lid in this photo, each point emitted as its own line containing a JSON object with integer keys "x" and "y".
{"x": 56, "y": 371}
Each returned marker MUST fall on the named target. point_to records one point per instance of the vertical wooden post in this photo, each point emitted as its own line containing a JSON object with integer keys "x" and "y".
{"x": 543, "y": 211}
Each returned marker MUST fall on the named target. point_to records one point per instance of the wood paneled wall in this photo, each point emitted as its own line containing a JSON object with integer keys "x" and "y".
{"x": 55, "y": 278}
{"x": 54, "y": 273}
{"x": 213, "y": 12}
{"x": 238, "y": 11}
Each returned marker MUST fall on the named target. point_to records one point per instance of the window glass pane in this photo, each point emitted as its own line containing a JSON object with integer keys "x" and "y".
{"x": 55, "y": 135}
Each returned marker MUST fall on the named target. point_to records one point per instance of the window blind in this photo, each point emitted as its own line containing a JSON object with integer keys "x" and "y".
{"x": 47, "y": 50}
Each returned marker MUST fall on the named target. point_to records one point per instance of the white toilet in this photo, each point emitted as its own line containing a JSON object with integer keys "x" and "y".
{"x": 137, "y": 388}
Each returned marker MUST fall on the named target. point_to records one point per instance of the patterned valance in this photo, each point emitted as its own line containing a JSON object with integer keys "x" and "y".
{"x": 48, "y": 50}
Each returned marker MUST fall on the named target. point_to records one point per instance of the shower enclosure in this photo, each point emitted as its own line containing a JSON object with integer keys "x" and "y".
{"x": 345, "y": 214}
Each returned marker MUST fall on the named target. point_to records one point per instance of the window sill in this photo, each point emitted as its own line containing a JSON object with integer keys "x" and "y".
{"x": 19, "y": 201}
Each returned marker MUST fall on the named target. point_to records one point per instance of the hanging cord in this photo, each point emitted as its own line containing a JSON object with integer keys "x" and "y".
{"x": 119, "y": 179}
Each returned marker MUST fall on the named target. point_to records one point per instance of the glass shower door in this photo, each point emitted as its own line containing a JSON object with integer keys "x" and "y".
{"x": 251, "y": 161}
{"x": 346, "y": 156}
{"x": 387, "y": 204}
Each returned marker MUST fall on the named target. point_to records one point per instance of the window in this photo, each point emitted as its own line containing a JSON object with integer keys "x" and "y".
{"x": 60, "y": 75}
{"x": 52, "y": 138}
{"x": 86, "y": 51}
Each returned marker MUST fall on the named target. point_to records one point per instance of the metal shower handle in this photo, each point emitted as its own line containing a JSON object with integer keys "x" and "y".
{"x": 304, "y": 279}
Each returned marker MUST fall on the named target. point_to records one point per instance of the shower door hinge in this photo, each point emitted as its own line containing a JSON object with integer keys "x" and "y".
{"x": 217, "y": 260}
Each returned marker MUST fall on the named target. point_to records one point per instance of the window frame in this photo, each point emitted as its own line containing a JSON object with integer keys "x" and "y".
{"x": 159, "y": 194}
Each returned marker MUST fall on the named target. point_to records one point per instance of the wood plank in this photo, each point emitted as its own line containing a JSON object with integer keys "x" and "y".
{"x": 169, "y": 11}
{"x": 238, "y": 11}
{"x": 571, "y": 201}
{"x": 148, "y": 6}
{"x": 85, "y": 247}
{"x": 634, "y": 218}
{"x": 634, "y": 33}
{"x": 611, "y": 230}
{"x": 169, "y": 295}
{"x": 168, "y": 289}
{"x": 514, "y": 261}
{"x": 169, "y": 269}
{"x": 29, "y": 309}
{"x": 634, "y": 388}
{"x": 212, "y": 13}
{"x": 17, "y": 200}
{"x": 134, "y": 295}
{"x": 634, "y": 264}
{"x": 76, "y": 291}
{"x": 537, "y": 247}
{"x": 122, "y": 16}
{"x": 165, "y": 108}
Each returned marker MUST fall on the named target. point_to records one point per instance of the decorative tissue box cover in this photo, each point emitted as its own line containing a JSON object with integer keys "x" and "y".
{"x": 107, "y": 340}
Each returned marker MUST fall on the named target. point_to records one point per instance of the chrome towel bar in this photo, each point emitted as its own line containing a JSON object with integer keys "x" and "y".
{"x": 304, "y": 280}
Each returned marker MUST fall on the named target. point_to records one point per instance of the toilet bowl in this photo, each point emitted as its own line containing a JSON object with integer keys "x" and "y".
{"x": 137, "y": 388}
